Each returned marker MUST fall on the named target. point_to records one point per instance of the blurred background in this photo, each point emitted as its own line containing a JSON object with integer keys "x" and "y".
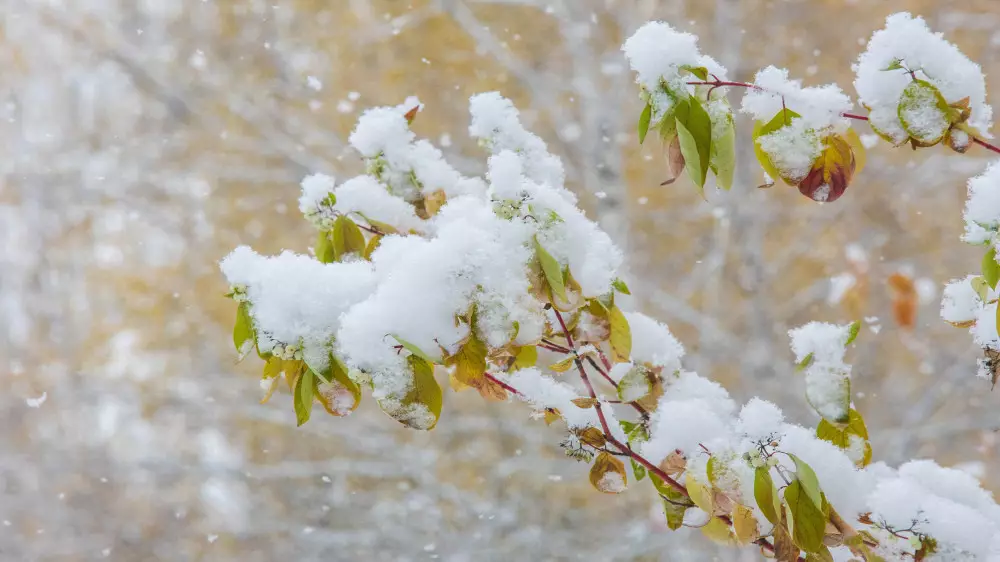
{"x": 144, "y": 139}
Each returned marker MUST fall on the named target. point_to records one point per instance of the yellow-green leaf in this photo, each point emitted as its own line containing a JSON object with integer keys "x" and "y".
{"x": 764, "y": 494}
{"x": 608, "y": 474}
{"x": 924, "y": 113}
{"x": 243, "y": 335}
{"x": 620, "y": 286}
{"x": 562, "y": 365}
{"x": 420, "y": 408}
{"x": 822, "y": 555}
{"x": 415, "y": 350}
{"x": 635, "y": 385}
{"x": 526, "y": 357}
{"x": 371, "y": 246}
{"x": 324, "y": 248}
{"x": 805, "y": 363}
{"x": 852, "y": 332}
{"x": 647, "y": 114}
{"x": 303, "y": 396}
{"x": 723, "y": 161}
{"x": 991, "y": 269}
{"x": 841, "y": 434}
{"x": 698, "y": 71}
{"x": 346, "y": 237}
{"x": 621, "y": 335}
{"x": 552, "y": 270}
{"x": 808, "y": 524}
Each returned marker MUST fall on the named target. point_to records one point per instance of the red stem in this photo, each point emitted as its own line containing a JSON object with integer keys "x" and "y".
{"x": 504, "y": 385}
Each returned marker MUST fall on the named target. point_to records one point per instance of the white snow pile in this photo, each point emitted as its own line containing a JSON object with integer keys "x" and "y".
{"x": 820, "y": 348}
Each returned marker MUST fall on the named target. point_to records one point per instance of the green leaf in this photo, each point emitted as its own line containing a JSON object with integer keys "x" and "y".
{"x": 724, "y": 154}
{"x": 896, "y": 64}
{"x": 991, "y": 269}
{"x": 809, "y": 482}
{"x": 303, "y": 396}
{"x": 647, "y": 114}
{"x": 840, "y": 434}
{"x": 674, "y": 502}
{"x": 243, "y": 330}
{"x": 620, "y": 286}
{"x": 347, "y": 238}
{"x": 635, "y": 385}
{"x": 694, "y": 130}
{"x": 324, "y": 248}
{"x": 552, "y": 270}
{"x": 698, "y": 71}
{"x": 638, "y": 471}
{"x": 415, "y": 350}
{"x": 621, "y": 335}
{"x": 808, "y": 524}
{"x": 924, "y": 113}
{"x": 852, "y": 332}
{"x": 764, "y": 493}
{"x": 805, "y": 363}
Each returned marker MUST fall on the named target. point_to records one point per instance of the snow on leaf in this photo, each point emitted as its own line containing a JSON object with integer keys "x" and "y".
{"x": 607, "y": 474}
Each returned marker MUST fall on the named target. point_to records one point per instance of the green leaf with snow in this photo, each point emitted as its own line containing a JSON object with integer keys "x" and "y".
{"x": 807, "y": 522}
{"x": 635, "y": 385}
{"x": 339, "y": 394}
{"x": 991, "y": 269}
{"x": 415, "y": 350}
{"x": 621, "y": 335}
{"x": 981, "y": 288}
{"x": 644, "y": 118}
{"x": 420, "y": 408}
{"x": 694, "y": 131}
{"x": 638, "y": 470}
{"x": 552, "y": 270}
{"x": 843, "y": 435}
{"x": 761, "y": 129}
{"x": 852, "y": 332}
{"x": 347, "y": 238}
{"x": 924, "y": 113}
{"x": 243, "y": 334}
{"x": 303, "y": 396}
{"x": 829, "y": 393}
{"x": 896, "y": 64}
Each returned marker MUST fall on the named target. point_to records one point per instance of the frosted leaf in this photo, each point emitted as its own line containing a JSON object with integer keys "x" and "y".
{"x": 982, "y": 209}
{"x": 959, "y": 303}
{"x": 365, "y": 196}
{"x": 792, "y": 149}
{"x": 827, "y": 377}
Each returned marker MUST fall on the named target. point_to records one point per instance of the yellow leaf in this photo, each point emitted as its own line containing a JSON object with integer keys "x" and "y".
{"x": 563, "y": 365}
{"x": 717, "y": 530}
{"x": 470, "y": 360}
{"x": 860, "y": 157}
{"x": 552, "y": 415}
{"x": 700, "y": 494}
{"x": 621, "y": 336}
{"x": 491, "y": 391}
{"x": 341, "y": 395}
{"x": 525, "y": 357}
{"x": 608, "y": 474}
{"x": 434, "y": 201}
{"x": 744, "y": 524}
{"x": 584, "y": 402}
{"x": 270, "y": 390}
{"x": 592, "y": 436}
{"x": 347, "y": 238}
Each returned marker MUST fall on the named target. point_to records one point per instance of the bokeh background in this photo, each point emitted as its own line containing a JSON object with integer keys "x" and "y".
{"x": 143, "y": 139}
